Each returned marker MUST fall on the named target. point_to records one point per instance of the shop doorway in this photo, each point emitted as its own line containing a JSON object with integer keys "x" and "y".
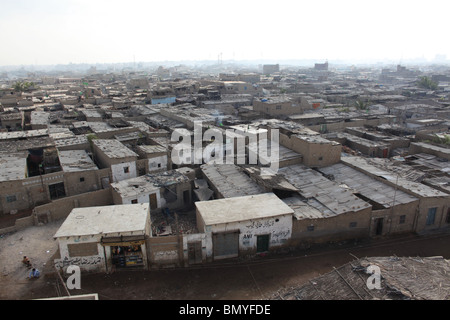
{"x": 127, "y": 256}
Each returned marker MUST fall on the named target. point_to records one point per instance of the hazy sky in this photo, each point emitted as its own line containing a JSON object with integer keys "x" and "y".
{"x": 104, "y": 31}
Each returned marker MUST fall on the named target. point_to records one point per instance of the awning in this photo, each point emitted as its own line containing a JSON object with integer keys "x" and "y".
{"x": 123, "y": 241}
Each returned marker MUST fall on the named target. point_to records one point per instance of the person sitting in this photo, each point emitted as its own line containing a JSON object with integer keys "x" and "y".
{"x": 26, "y": 261}
{"x": 34, "y": 273}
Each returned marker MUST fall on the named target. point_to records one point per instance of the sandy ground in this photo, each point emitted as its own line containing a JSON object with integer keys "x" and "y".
{"x": 34, "y": 242}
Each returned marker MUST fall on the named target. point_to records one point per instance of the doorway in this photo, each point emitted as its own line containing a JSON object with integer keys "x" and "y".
{"x": 379, "y": 226}
{"x": 262, "y": 243}
{"x": 226, "y": 245}
{"x": 186, "y": 197}
{"x": 153, "y": 201}
{"x": 195, "y": 252}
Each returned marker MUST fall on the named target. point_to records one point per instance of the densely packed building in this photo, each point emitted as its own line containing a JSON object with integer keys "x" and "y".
{"x": 169, "y": 165}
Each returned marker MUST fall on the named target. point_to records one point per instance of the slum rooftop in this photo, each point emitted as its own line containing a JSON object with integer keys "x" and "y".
{"x": 362, "y": 141}
{"x": 14, "y": 166}
{"x": 105, "y": 220}
{"x": 147, "y": 149}
{"x": 316, "y": 139}
{"x": 75, "y": 140}
{"x": 167, "y": 178}
{"x": 39, "y": 118}
{"x": 432, "y": 147}
{"x": 323, "y": 194}
{"x": 302, "y": 210}
{"x": 56, "y": 132}
{"x": 229, "y": 180}
{"x": 366, "y": 165}
{"x": 370, "y": 188}
{"x": 281, "y": 153}
{"x": 26, "y": 144}
{"x": 113, "y": 149}
{"x": 421, "y": 167}
{"x": 244, "y": 208}
{"x": 23, "y": 134}
{"x": 290, "y": 126}
{"x": 134, "y": 186}
{"x": 75, "y": 160}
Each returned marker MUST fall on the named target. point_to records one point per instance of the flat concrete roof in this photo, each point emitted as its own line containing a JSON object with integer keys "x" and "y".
{"x": 283, "y": 153}
{"x": 13, "y": 166}
{"x": 142, "y": 126}
{"x": 91, "y": 113}
{"x": 229, "y": 180}
{"x": 39, "y": 117}
{"x": 105, "y": 220}
{"x": 76, "y": 140}
{"x": 316, "y": 139}
{"x": 432, "y": 147}
{"x": 134, "y": 186}
{"x": 23, "y": 134}
{"x": 113, "y": 149}
{"x": 248, "y": 128}
{"x": 245, "y": 208}
{"x": 152, "y": 149}
{"x": 362, "y": 141}
{"x": 75, "y": 160}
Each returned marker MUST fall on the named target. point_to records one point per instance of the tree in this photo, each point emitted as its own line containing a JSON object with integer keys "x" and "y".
{"x": 427, "y": 83}
{"x": 361, "y": 105}
{"x": 21, "y": 86}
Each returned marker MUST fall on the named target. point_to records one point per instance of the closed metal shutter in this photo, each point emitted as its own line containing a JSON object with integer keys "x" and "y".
{"x": 226, "y": 245}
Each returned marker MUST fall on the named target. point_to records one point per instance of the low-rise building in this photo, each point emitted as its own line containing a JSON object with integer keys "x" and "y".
{"x": 39, "y": 120}
{"x": 324, "y": 210}
{"x": 163, "y": 190}
{"x": 156, "y": 155}
{"x": 80, "y": 172}
{"x": 103, "y": 239}
{"x": 12, "y": 121}
{"x": 229, "y": 181}
{"x": 433, "y": 210}
{"x": 111, "y": 153}
{"x": 244, "y": 225}
{"x": 393, "y": 211}
{"x": 277, "y": 106}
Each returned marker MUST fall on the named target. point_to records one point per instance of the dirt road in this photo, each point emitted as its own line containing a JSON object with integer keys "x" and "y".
{"x": 258, "y": 279}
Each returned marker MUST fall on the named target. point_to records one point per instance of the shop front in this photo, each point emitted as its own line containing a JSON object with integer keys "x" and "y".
{"x": 125, "y": 252}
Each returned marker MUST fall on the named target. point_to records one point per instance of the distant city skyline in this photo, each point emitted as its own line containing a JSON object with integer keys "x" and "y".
{"x": 50, "y": 32}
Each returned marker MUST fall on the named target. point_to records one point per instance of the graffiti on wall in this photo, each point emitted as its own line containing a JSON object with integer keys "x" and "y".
{"x": 280, "y": 236}
{"x": 260, "y": 224}
{"x": 165, "y": 255}
{"x": 78, "y": 261}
